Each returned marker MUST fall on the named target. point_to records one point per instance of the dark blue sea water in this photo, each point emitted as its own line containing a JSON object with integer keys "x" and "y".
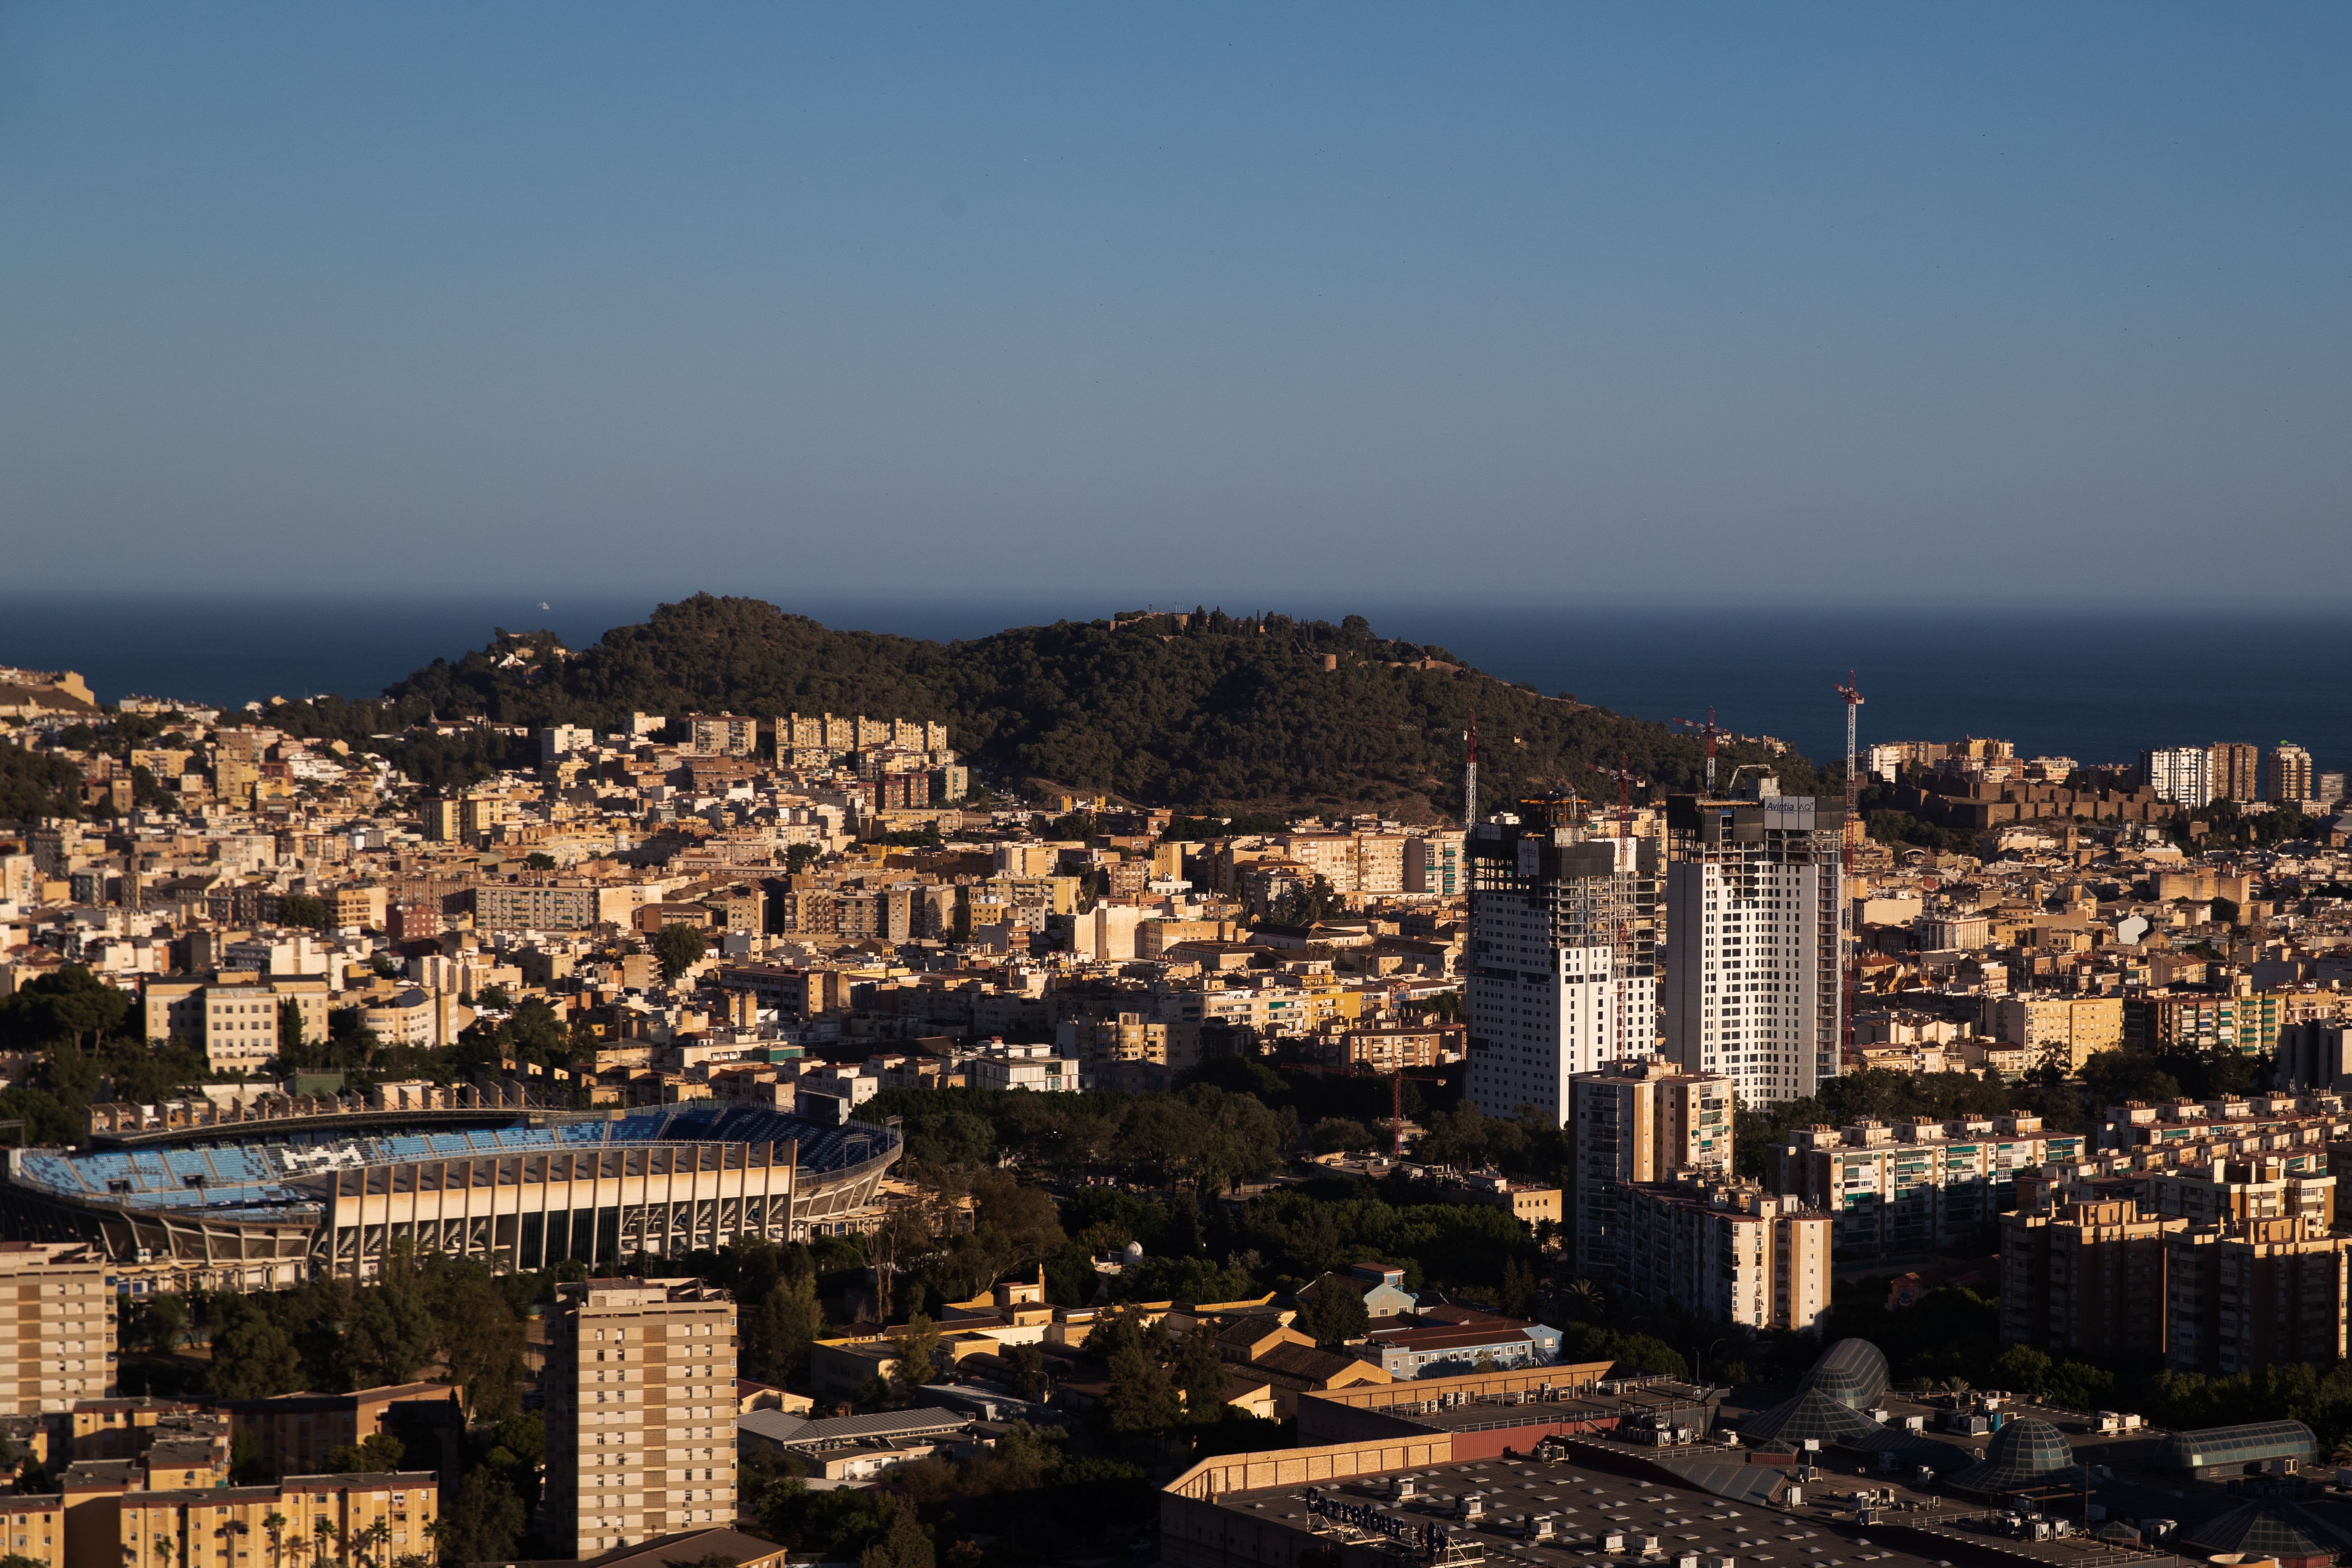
{"x": 2095, "y": 684}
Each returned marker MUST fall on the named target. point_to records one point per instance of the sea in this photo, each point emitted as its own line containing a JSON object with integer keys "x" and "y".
{"x": 2098, "y": 684}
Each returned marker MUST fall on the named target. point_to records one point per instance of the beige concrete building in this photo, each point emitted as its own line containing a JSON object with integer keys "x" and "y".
{"x": 640, "y": 1412}
{"x": 2069, "y": 1028}
{"x": 381, "y": 1516}
{"x": 1730, "y": 1251}
{"x": 240, "y": 1026}
{"x": 33, "y": 1525}
{"x": 2227, "y": 1190}
{"x": 294, "y": 1433}
{"x": 2233, "y": 765}
{"x": 2085, "y": 1277}
{"x": 1353, "y": 863}
{"x": 2289, "y": 773}
{"x": 2248, "y": 1294}
{"x": 1642, "y": 1121}
{"x": 57, "y": 1344}
{"x": 443, "y": 820}
{"x": 537, "y": 906}
{"x": 721, "y": 735}
{"x": 1918, "y": 1184}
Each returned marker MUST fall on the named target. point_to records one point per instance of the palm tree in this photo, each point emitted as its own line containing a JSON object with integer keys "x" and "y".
{"x": 275, "y": 1523}
{"x": 377, "y": 1535}
{"x": 326, "y": 1535}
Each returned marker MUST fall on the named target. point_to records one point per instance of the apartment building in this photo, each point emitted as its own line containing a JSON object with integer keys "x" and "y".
{"x": 2181, "y": 775}
{"x": 2287, "y": 773}
{"x": 2230, "y": 1191}
{"x": 2232, "y": 764}
{"x": 835, "y": 733}
{"x": 2086, "y": 1276}
{"x": 2203, "y": 1021}
{"x": 2193, "y": 1131}
{"x": 235, "y": 1024}
{"x": 1389, "y": 1047}
{"x": 1918, "y": 1184}
{"x": 1641, "y": 1122}
{"x": 2068, "y": 1029}
{"x": 536, "y": 906}
{"x": 1755, "y": 917}
{"x": 721, "y": 735}
{"x": 1730, "y": 1251}
{"x": 2246, "y": 1294}
{"x": 443, "y": 820}
{"x": 1563, "y": 959}
{"x": 1433, "y": 864}
{"x": 640, "y": 1412}
{"x": 294, "y": 1433}
{"x": 56, "y": 1345}
{"x": 33, "y": 1524}
{"x": 1129, "y": 1038}
{"x": 383, "y": 1515}
{"x": 1353, "y": 863}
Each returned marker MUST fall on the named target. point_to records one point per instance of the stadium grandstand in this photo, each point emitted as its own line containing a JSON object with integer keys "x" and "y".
{"x": 263, "y": 1203}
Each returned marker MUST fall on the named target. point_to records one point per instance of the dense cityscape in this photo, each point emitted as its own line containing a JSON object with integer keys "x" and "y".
{"x": 497, "y": 1124}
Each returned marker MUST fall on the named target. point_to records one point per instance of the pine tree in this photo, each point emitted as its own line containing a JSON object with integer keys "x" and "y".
{"x": 1199, "y": 1375}
{"x": 1140, "y": 1398}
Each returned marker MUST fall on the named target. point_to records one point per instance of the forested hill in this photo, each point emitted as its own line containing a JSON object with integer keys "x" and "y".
{"x": 1208, "y": 710}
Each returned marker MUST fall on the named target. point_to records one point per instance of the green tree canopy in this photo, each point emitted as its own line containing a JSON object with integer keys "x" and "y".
{"x": 678, "y": 948}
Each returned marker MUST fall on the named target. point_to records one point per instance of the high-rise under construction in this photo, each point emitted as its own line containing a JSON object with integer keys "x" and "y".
{"x": 1563, "y": 956}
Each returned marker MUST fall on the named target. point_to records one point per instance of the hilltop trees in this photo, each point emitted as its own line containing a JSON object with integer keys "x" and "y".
{"x": 1219, "y": 710}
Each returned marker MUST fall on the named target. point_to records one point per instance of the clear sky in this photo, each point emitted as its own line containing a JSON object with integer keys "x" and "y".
{"x": 1630, "y": 302}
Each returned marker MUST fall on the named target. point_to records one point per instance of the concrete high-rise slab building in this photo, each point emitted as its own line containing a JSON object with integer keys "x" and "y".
{"x": 2233, "y": 765}
{"x": 57, "y": 1341}
{"x": 2181, "y": 774}
{"x": 1562, "y": 966}
{"x": 1638, "y": 1122}
{"x": 2290, "y": 778}
{"x": 1755, "y": 909}
{"x": 640, "y": 1412}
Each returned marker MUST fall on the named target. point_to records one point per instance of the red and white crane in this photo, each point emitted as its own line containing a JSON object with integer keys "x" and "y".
{"x": 1712, "y": 734}
{"x": 1626, "y": 779}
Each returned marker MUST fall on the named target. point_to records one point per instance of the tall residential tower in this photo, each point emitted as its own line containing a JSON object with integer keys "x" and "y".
{"x": 1563, "y": 956}
{"x": 1755, "y": 902}
{"x": 640, "y": 1412}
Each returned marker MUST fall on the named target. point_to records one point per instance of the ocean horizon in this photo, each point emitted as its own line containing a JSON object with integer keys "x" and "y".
{"x": 2097, "y": 683}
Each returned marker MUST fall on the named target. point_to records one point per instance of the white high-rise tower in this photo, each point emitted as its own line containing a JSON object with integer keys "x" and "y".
{"x": 1754, "y": 889}
{"x": 1562, "y": 960}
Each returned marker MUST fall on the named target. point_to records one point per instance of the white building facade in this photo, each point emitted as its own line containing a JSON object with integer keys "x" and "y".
{"x": 2182, "y": 774}
{"x": 1562, "y": 977}
{"x": 1755, "y": 913}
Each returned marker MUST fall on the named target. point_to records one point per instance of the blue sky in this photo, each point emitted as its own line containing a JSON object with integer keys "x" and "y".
{"x": 1551, "y": 301}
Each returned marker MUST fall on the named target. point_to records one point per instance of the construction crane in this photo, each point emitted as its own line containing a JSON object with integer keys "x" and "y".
{"x": 1849, "y": 977}
{"x": 1712, "y": 733}
{"x": 1626, "y": 779}
{"x": 1470, "y": 773}
{"x": 1396, "y": 1107}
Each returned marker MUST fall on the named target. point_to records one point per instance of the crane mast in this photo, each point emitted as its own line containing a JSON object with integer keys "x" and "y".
{"x": 1850, "y": 694}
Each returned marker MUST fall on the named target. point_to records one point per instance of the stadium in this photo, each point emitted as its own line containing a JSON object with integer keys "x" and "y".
{"x": 256, "y": 1203}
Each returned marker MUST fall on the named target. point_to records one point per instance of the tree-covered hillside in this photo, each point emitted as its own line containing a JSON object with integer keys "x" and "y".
{"x": 1216, "y": 710}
